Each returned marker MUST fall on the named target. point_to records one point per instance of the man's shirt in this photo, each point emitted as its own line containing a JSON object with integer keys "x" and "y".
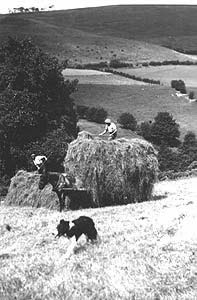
{"x": 111, "y": 128}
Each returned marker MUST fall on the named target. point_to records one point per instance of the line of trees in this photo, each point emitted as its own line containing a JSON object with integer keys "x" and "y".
{"x": 134, "y": 77}
{"x": 32, "y": 9}
{"x": 118, "y": 64}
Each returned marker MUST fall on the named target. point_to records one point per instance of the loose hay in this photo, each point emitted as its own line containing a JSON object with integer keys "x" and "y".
{"x": 24, "y": 191}
{"x": 115, "y": 172}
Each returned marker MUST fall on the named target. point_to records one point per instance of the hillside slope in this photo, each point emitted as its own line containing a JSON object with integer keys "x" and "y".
{"x": 147, "y": 251}
{"x": 99, "y": 34}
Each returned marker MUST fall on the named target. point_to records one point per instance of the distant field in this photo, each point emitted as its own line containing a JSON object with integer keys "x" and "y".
{"x": 97, "y": 77}
{"x": 166, "y": 73}
{"x": 144, "y": 102}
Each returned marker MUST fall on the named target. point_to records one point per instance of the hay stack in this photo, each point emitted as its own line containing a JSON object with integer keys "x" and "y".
{"x": 24, "y": 191}
{"x": 115, "y": 172}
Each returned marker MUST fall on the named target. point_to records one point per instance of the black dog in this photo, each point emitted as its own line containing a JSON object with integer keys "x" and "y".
{"x": 82, "y": 225}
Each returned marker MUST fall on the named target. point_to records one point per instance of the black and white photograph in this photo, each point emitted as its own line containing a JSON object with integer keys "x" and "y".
{"x": 98, "y": 150}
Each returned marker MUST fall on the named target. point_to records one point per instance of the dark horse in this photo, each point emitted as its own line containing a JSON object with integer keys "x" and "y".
{"x": 65, "y": 185}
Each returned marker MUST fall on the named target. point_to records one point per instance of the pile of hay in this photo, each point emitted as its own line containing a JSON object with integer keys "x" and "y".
{"x": 24, "y": 191}
{"x": 115, "y": 172}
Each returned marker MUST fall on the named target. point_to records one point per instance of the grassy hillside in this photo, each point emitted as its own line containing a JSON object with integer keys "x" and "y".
{"x": 129, "y": 21}
{"x": 147, "y": 251}
{"x": 144, "y": 102}
{"x": 99, "y": 34}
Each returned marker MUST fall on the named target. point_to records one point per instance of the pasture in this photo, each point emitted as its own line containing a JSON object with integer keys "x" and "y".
{"x": 98, "y": 77}
{"x": 166, "y": 74}
{"x": 144, "y": 102}
{"x": 147, "y": 251}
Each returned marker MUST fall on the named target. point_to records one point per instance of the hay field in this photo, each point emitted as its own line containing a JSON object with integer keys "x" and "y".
{"x": 98, "y": 77}
{"x": 144, "y": 102}
{"x": 166, "y": 73}
{"x": 148, "y": 251}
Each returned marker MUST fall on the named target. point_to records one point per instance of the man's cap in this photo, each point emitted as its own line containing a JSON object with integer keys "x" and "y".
{"x": 107, "y": 121}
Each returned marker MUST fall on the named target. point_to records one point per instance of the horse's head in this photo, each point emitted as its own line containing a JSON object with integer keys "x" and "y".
{"x": 44, "y": 179}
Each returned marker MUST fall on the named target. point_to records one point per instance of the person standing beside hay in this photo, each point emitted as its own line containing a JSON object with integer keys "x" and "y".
{"x": 111, "y": 128}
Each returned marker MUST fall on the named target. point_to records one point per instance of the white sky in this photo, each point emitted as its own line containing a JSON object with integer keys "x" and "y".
{"x": 68, "y": 4}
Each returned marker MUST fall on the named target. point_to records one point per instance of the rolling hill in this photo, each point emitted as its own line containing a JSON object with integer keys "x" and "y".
{"x": 99, "y": 34}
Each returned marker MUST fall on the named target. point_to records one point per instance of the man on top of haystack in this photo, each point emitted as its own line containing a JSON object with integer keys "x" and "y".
{"x": 111, "y": 128}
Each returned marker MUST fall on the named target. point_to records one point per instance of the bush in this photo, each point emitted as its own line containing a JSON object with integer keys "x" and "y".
{"x": 96, "y": 114}
{"x": 127, "y": 121}
{"x": 191, "y": 95}
{"x": 189, "y": 149}
{"x": 179, "y": 85}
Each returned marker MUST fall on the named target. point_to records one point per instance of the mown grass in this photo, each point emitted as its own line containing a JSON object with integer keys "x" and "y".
{"x": 98, "y": 77}
{"x": 144, "y": 102}
{"x": 166, "y": 74}
{"x": 147, "y": 251}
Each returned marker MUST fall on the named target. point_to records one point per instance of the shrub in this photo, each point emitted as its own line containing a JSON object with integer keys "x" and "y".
{"x": 191, "y": 95}
{"x": 179, "y": 85}
{"x": 127, "y": 121}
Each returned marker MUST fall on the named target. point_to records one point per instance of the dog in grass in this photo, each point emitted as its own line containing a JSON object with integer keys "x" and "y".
{"x": 82, "y": 225}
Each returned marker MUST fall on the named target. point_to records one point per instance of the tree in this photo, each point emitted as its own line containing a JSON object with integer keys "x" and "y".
{"x": 127, "y": 121}
{"x": 165, "y": 130}
{"x": 191, "y": 95}
{"x": 189, "y": 148}
{"x": 145, "y": 130}
{"x": 34, "y": 99}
